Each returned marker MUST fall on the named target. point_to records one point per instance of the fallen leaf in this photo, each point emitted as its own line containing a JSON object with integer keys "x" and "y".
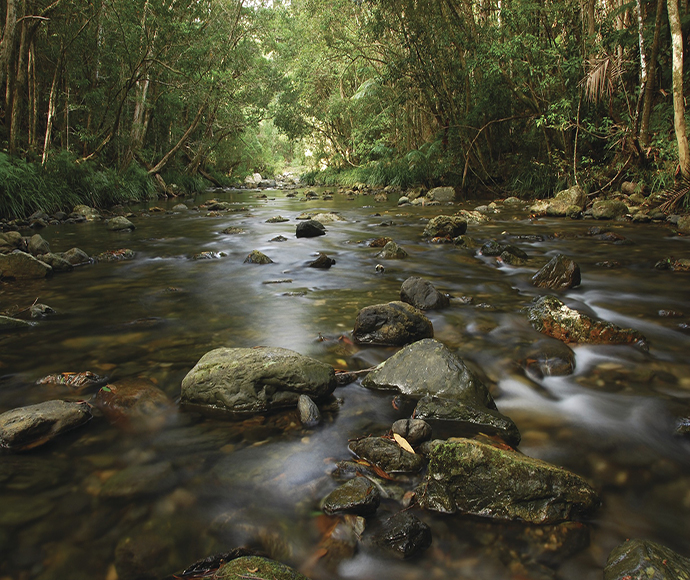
{"x": 403, "y": 443}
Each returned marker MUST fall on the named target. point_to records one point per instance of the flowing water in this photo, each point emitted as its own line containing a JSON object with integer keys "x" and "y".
{"x": 258, "y": 482}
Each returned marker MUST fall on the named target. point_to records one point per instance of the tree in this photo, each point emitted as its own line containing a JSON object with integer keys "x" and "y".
{"x": 678, "y": 98}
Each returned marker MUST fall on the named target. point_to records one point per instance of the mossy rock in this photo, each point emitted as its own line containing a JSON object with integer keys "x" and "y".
{"x": 257, "y": 568}
{"x": 646, "y": 560}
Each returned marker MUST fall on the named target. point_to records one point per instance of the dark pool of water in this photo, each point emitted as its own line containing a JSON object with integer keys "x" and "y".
{"x": 258, "y": 482}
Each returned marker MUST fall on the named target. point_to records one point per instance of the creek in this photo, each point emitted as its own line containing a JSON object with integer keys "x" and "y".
{"x": 259, "y": 481}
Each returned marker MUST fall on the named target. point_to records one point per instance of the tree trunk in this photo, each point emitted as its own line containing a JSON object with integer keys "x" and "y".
{"x": 52, "y": 107}
{"x": 678, "y": 102}
{"x": 18, "y": 90}
{"x": 651, "y": 77}
{"x": 7, "y": 42}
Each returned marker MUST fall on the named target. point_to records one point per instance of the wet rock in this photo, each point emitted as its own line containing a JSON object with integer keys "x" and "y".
{"x": 635, "y": 559}
{"x": 56, "y": 262}
{"x": 358, "y": 496}
{"x": 404, "y": 534}
{"x": 207, "y": 255}
{"x": 115, "y": 255}
{"x": 445, "y": 226}
{"x": 550, "y": 316}
{"x": 466, "y": 242}
{"x": 142, "y": 557}
{"x": 608, "y": 209}
{"x": 565, "y": 199}
{"x": 75, "y": 381}
{"x": 256, "y": 567}
{"x": 134, "y": 404}
{"x": 548, "y": 358}
{"x": 392, "y": 251}
{"x": 86, "y": 212}
{"x": 422, "y": 294}
{"x": 683, "y": 426}
{"x": 232, "y": 231}
{"x": 513, "y": 255}
{"x": 323, "y": 217}
{"x": 119, "y": 224}
{"x": 387, "y": 454}
{"x": 277, "y": 220}
{"x": 683, "y": 225}
{"x": 492, "y": 248}
{"x": 22, "y": 266}
{"x": 413, "y": 430}
{"x": 10, "y": 241}
{"x": 28, "y": 427}
{"x": 310, "y": 229}
{"x": 76, "y": 257}
{"x": 309, "y": 414}
{"x": 560, "y": 273}
{"x": 257, "y": 257}
{"x": 140, "y": 480}
{"x": 278, "y": 239}
{"x": 9, "y": 323}
{"x": 472, "y": 416}
{"x": 379, "y": 242}
{"x": 393, "y": 324}
{"x": 41, "y": 311}
{"x": 442, "y": 194}
{"x": 252, "y": 380}
{"x": 323, "y": 261}
{"x": 37, "y": 245}
{"x": 472, "y": 477}
{"x": 180, "y": 207}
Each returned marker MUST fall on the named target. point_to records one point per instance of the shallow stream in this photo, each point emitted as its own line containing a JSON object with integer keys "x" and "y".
{"x": 258, "y": 482}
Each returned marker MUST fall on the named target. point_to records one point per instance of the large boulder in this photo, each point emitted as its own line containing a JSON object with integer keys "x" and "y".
{"x": 37, "y": 245}
{"x": 551, "y": 317}
{"x": 20, "y": 265}
{"x": 608, "y": 209}
{"x": 560, "y": 273}
{"x": 28, "y": 427}
{"x": 442, "y": 194}
{"x": 564, "y": 200}
{"x": 392, "y": 324}
{"x": 254, "y": 380}
{"x": 10, "y": 241}
{"x": 445, "y": 388}
{"x": 471, "y": 477}
{"x": 635, "y": 559}
{"x": 445, "y": 226}
{"x": 310, "y": 229}
{"x": 422, "y": 294}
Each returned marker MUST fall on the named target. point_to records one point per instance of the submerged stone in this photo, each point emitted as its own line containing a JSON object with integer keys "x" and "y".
{"x": 560, "y": 273}
{"x": 471, "y": 477}
{"x": 135, "y": 404}
{"x": 393, "y": 324}
{"x": 253, "y": 380}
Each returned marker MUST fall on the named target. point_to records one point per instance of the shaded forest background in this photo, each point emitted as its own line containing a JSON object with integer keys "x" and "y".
{"x": 108, "y": 101}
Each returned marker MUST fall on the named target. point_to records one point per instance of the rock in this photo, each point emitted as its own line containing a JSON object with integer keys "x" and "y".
{"x": 180, "y": 207}
{"x": 608, "y": 209}
{"x": 392, "y": 324}
{"x": 548, "y": 358}
{"x": 256, "y": 567}
{"x": 550, "y": 316}
{"x": 207, "y": 255}
{"x": 683, "y": 426}
{"x": 379, "y": 242}
{"x": 492, "y": 248}
{"x": 323, "y": 261}
{"x": 119, "y": 224}
{"x": 143, "y": 556}
{"x": 86, "y": 212}
{"x": 563, "y": 201}
{"x": 37, "y": 245}
{"x": 22, "y": 266}
{"x": 473, "y": 417}
{"x": 253, "y": 380}
{"x": 683, "y": 225}
{"x": 277, "y": 220}
{"x": 404, "y": 534}
{"x": 140, "y": 480}
{"x": 56, "y": 262}
{"x": 387, "y": 454}
{"x": 403, "y": 200}
{"x": 560, "y": 273}
{"x": 445, "y": 226}
{"x": 278, "y": 239}
{"x": 9, "y": 323}
{"x": 232, "y": 231}
{"x": 630, "y": 188}
{"x": 10, "y": 241}
{"x": 513, "y": 259}
{"x": 76, "y": 257}
{"x": 476, "y": 478}
{"x": 309, "y": 414}
{"x": 257, "y": 257}
{"x": 358, "y": 496}
{"x": 647, "y": 560}
{"x": 41, "y": 311}
{"x": 28, "y": 427}
{"x": 310, "y": 229}
{"x": 422, "y": 294}
{"x": 323, "y": 217}
{"x": 442, "y": 194}
{"x": 75, "y": 381}
{"x": 539, "y": 207}
{"x": 392, "y": 251}
{"x": 115, "y": 255}
{"x": 135, "y": 404}
{"x": 413, "y": 430}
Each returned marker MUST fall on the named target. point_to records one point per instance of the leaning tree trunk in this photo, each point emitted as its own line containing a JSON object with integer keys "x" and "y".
{"x": 678, "y": 102}
{"x": 651, "y": 77}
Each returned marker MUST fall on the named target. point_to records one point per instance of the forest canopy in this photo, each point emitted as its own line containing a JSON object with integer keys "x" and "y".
{"x": 499, "y": 95}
